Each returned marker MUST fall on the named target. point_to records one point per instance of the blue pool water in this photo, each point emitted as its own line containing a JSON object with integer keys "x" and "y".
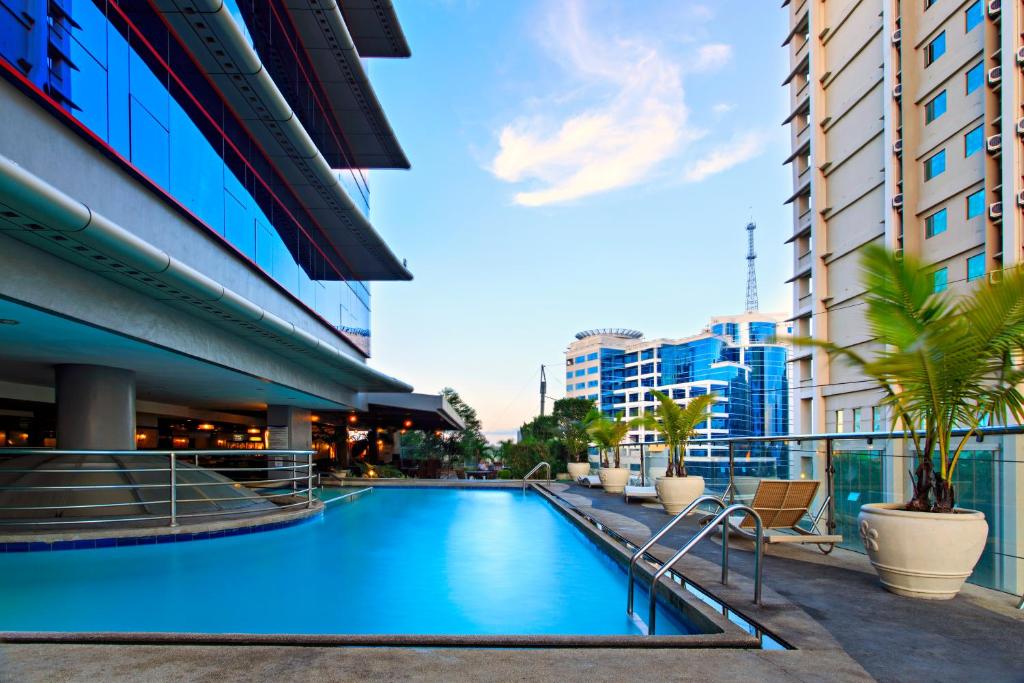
{"x": 395, "y": 561}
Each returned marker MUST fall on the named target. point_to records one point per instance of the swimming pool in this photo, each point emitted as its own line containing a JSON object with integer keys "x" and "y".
{"x": 395, "y": 561}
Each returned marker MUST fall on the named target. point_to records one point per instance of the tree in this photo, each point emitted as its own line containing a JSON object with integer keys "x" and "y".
{"x": 464, "y": 444}
{"x": 608, "y": 434}
{"x": 943, "y": 363}
{"x": 677, "y": 425}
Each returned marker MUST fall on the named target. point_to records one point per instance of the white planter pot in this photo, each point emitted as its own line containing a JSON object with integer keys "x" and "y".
{"x": 613, "y": 479}
{"x": 678, "y": 492}
{"x": 578, "y": 469}
{"x": 922, "y": 554}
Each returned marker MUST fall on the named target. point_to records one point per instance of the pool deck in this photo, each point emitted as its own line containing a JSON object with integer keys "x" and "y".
{"x": 831, "y": 607}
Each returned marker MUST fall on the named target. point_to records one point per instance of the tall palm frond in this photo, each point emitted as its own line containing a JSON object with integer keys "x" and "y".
{"x": 677, "y": 425}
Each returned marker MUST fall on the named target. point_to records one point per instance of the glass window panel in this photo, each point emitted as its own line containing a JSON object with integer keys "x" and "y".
{"x": 972, "y": 16}
{"x": 935, "y": 166}
{"x": 976, "y": 204}
{"x": 935, "y": 49}
{"x": 973, "y": 141}
{"x": 975, "y": 267}
{"x": 940, "y": 279}
{"x": 975, "y": 77}
{"x": 935, "y": 108}
{"x": 935, "y": 224}
{"x": 150, "y": 145}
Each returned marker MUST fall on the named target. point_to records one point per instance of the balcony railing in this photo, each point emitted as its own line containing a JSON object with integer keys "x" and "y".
{"x": 866, "y": 467}
{"x": 48, "y": 490}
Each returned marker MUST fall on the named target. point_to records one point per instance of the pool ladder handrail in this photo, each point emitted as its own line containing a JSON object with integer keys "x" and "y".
{"x": 535, "y": 468}
{"x": 721, "y": 518}
{"x": 657, "y": 536}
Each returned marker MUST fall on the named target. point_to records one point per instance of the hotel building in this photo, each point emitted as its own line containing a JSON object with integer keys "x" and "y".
{"x": 184, "y": 222}
{"x": 734, "y": 357}
{"x": 906, "y": 123}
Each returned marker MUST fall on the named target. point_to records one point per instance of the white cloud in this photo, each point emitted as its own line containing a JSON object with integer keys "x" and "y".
{"x": 712, "y": 56}
{"x": 723, "y": 108}
{"x": 741, "y": 148}
{"x": 636, "y": 117}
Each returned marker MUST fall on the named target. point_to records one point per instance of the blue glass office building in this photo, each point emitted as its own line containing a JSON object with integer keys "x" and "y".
{"x": 184, "y": 207}
{"x": 736, "y": 358}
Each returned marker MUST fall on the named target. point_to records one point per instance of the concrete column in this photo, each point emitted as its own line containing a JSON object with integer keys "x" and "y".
{"x": 290, "y": 429}
{"x": 95, "y": 407}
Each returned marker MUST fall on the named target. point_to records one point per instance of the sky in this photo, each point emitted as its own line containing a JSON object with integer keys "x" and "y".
{"x": 575, "y": 164}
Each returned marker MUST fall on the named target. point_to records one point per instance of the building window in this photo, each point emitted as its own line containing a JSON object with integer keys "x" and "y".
{"x": 935, "y": 224}
{"x": 935, "y": 165}
{"x": 591, "y": 384}
{"x": 972, "y": 16}
{"x": 935, "y": 108}
{"x": 935, "y": 49}
{"x": 876, "y": 419}
{"x": 975, "y": 267}
{"x": 855, "y": 423}
{"x": 568, "y": 375}
{"x": 973, "y": 141}
{"x": 976, "y": 204}
{"x": 592, "y": 397}
{"x": 975, "y": 77}
{"x": 928, "y": 3}
{"x": 839, "y": 422}
{"x": 592, "y": 370}
{"x": 579, "y": 359}
{"x": 592, "y": 356}
{"x": 940, "y": 279}
{"x": 578, "y": 373}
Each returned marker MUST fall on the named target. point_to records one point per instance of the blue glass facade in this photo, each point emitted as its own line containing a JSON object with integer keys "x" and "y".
{"x": 738, "y": 361}
{"x": 118, "y": 71}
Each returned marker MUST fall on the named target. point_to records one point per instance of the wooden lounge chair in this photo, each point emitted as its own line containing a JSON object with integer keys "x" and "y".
{"x": 782, "y": 505}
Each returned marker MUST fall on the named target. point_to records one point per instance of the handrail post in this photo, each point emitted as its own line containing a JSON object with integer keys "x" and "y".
{"x": 732, "y": 473}
{"x": 309, "y": 480}
{"x": 830, "y": 518}
{"x": 174, "y": 491}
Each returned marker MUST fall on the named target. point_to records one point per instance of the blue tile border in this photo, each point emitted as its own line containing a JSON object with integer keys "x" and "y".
{"x": 124, "y": 541}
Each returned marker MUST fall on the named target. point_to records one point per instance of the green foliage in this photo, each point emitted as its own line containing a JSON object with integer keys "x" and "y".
{"x": 677, "y": 425}
{"x": 461, "y": 446}
{"x": 381, "y": 471}
{"x": 574, "y": 415}
{"x": 504, "y": 474}
{"x": 521, "y": 457}
{"x": 942, "y": 362}
{"x": 608, "y": 434}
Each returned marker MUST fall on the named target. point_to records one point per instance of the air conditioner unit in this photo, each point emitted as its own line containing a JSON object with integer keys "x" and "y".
{"x": 994, "y": 7}
{"x": 1020, "y": 126}
{"x": 897, "y": 147}
{"x": 897, "y": 201}
{"x": 898, "y": 254}
{"x": 1020, "y": 198}
{"x": 896, "y": 35}
{"x": 995, "y": 210}
{"x": 1020, "y": 55}
{"x": 995, "y": 75}
{"x": 994, "y": 143}
{"x": 897, "y": 92}
{"x": 995, "y": 277}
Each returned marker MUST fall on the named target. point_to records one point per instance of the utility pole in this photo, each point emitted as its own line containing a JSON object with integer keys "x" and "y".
{"x": 751, "y": 272}
{"x": 543, "y": 389}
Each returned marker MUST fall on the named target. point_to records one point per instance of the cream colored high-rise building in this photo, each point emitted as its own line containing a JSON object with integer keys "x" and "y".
{"x": 906, "y": 125}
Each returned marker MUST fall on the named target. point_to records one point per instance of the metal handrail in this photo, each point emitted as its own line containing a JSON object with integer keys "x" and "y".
{"x": 293, "y": 461}
{"x": 535, "y": 468}
{"x": 721, "y": 517}
{"x": 656, "y": 537}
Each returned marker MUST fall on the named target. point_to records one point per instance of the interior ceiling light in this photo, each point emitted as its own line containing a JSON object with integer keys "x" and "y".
{"x": 206, "y": 427}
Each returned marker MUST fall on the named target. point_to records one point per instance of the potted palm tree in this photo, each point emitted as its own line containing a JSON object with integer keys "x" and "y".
{"x": 608, "y": 435}
{"x": 576, "y": 439}
{"x": 943, "y": 363}
{"x": 677, "y": 425}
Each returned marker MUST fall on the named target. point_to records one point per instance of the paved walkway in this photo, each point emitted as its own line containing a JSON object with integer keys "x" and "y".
{"x": 977, "y": 636}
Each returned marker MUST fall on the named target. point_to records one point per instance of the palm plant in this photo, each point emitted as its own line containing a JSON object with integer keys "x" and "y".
{"x": 677, "y": 425}
{"x": 608, "y": 434}
{"x": 944, "y": 363}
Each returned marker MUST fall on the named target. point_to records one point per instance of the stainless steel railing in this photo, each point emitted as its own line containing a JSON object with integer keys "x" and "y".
{"x": 535, "y": 468}
{"x": 721, "y": 518}
{"x": 657, "y": 537}
{"x": 52, "y": 489}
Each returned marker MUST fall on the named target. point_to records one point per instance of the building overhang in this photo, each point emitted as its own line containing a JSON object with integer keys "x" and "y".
{"x": 351, "y": 100}
{"x": 374, "y": 27}
{"x": 38, "y": 214}
{"x": 412, "y": 411}
{"x": 221, "y": 51}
